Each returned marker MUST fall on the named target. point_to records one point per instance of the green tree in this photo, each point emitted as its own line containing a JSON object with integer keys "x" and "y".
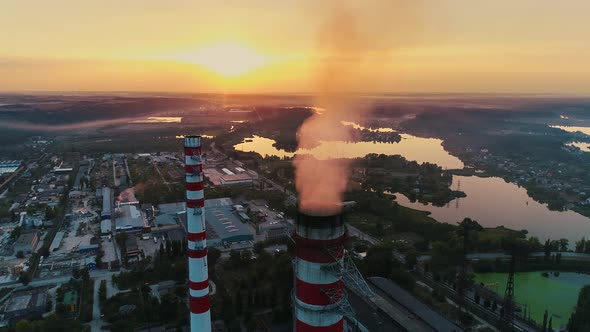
{"x": 235, "y": 258}
{"x": 547, "y": 249}
{"x": 580, "y": 245}
{"x": 580, "y": 319}
{"x": 563, "y": 244}
{"x": 544, "y": 326}
{"x": 23, "y": 326}
{"x": 379, "y": 261}
{"x": 213, "y": 256}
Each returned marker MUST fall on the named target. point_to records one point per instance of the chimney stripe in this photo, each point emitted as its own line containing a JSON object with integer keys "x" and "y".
{"x": 199, "y": 305}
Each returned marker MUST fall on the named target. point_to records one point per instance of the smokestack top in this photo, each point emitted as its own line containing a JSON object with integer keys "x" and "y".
{"x": 319, "y": 209}
{"x": 192, "y": 141}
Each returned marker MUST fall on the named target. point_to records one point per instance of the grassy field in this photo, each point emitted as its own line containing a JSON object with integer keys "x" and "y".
{"x": 556, "y": 294}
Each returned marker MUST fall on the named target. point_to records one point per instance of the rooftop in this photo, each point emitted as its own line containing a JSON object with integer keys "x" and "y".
{"x": 222, "y": 221}
{"x": 26, "y": 238}
{"x": 129, "y": 217}
{"x": 26, "y": 300}
{"x": 401, "y": 296}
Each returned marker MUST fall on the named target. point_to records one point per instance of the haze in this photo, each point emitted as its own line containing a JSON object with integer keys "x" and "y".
{"x": 268, "y": 46}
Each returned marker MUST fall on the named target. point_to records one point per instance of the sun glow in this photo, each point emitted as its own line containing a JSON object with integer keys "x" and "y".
{"x": 227, "y": 59}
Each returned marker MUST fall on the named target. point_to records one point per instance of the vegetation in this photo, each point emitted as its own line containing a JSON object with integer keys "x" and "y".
{"x": 247, "y": 285}
{"x": 580, "y": 319}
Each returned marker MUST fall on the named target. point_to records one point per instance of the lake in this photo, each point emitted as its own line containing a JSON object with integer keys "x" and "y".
{"x": 559, "y": 295}
{"x": 410, "y": 147}
{"x": 493, "y": 202}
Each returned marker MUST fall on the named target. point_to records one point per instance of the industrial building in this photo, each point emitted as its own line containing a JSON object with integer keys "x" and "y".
{"x": 169, "y": 214}
{"x": 27, "y": 242}
{"x": 106, "y": 227}
{"x": 9, "y": 166}
{"x": 129, "y": 218}
{"x": 107, "y": 203}
{"x": 26, "y": 305}
{"x": 224, "y": 225}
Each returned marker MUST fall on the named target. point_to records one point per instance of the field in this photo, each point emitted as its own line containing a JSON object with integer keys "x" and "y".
{"x": 556, "y": 294}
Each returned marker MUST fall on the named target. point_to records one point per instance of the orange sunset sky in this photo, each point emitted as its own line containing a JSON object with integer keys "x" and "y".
{"x": 278, "y": 46}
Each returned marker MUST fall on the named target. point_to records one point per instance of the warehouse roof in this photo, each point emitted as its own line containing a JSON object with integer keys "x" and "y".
{"x": 130, "y": 217}
{"x": 222, "y": 220}
{"x": 400, "y": 295}
{"x": 56, "y": 241}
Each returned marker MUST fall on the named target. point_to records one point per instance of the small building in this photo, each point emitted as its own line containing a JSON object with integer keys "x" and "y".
{"x": 75, "y": 194}
{"x": 90, "y": 263}
{"x": 276, "y": 230}
{"x": 91, "y": 248}
{"x": 27, "y": 242}
{"x": 105, "y": 227}
{"x": 244, "y": 217}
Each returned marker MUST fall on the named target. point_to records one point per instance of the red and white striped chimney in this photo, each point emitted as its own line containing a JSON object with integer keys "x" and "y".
{"x": 319, "y": 243}
{"x": 198, "y": 278}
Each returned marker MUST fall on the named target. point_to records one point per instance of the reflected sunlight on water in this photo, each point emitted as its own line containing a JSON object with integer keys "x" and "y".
{"x": 410, "y": 147}
{"x": 573, "y": 129}
{"x": 584, "y": 146}
{"x": 159, "y": 119}
{"x": 494, "y": 202}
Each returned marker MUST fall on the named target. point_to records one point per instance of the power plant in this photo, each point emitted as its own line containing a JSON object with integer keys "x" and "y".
{"x": 200, "y": 314}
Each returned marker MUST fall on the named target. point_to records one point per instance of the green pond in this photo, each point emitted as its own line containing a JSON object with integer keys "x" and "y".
{"x": 556, "y": 294}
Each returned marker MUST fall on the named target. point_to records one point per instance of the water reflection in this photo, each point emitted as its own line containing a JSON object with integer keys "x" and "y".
{"x": 584, "y": 146}
{"x": 410, "y": 147}
{"x": 358, "y": 126}
{"x": 202, "y": 135}
{"x": 573, "y": 129}
{"x": 159, "y": 119}
{"x": 493, "y": 202}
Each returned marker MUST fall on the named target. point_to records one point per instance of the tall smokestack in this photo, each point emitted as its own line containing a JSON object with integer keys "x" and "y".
{"x": 198, "y": 278}
{"x": 319, "y": 244}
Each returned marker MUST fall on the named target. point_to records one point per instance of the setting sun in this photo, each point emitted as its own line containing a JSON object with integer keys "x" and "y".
{"x": 227, "y": 59}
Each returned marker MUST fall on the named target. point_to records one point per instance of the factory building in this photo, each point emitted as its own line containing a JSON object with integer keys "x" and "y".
{"x": 129, "y": 218}
{"x": 223, "y": 223}
{"x": 107, "y": 203}
{"x": 27, "y": 242}
{"x": 106, "y": 227}
{"x": 26, "y": 305}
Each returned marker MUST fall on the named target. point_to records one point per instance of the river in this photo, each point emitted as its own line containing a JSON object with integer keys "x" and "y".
{"x": 493, "y": 202}
{"x": 411, "y": 147}
{"x": 490, "y": 201}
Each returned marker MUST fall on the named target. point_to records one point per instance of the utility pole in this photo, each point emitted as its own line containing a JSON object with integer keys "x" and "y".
{"x": 508, "y": 307}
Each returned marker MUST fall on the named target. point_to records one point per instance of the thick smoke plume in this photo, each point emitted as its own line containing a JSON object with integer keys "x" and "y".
{"x": 348, "y": 42}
